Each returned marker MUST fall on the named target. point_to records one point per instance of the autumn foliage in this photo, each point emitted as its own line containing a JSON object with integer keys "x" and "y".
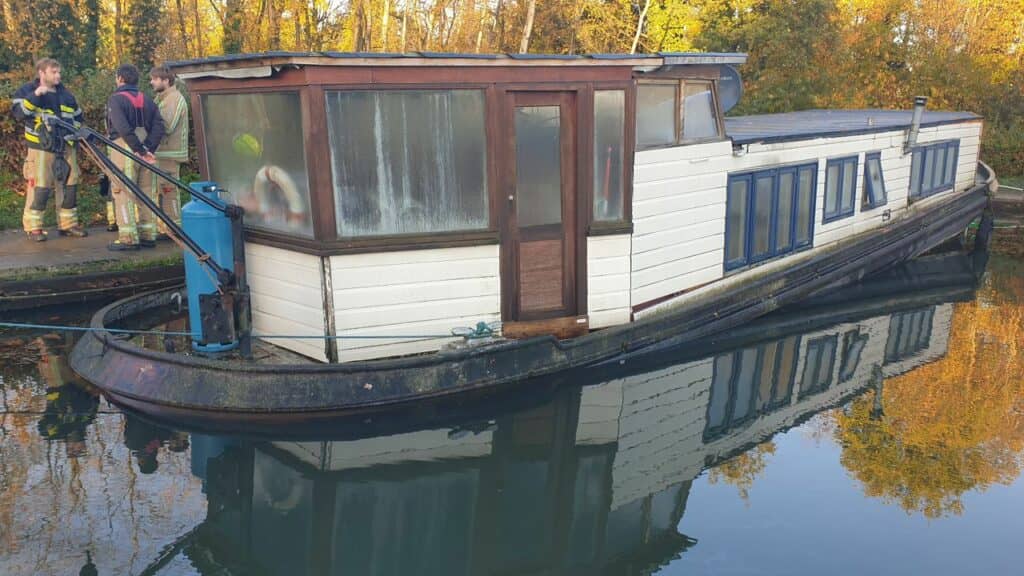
{"x": 954, "y": 425}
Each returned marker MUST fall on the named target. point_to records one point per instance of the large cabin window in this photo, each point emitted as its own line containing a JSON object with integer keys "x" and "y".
{"x": 255, "y": 149}
{"x": 933, "y": 168}
{"x": 840, "y": 188}
{"x": 675, "y": 112}
{"x": 609, "y": 154}
{"x": 408, "y": 161}
{"x": 769, "y": 213}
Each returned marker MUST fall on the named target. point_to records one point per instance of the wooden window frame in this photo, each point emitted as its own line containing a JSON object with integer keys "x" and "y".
{"x": 945, "y": 185}
{"x": 625, "y": 225}
{"x": 680, "y": 84}
{"x": 308, "y": 132}
{"x": 312, "y": 83}
{"x": 773, "y": 251}
{"x": 869, "y": 200}
{"x": 841, "y": 211}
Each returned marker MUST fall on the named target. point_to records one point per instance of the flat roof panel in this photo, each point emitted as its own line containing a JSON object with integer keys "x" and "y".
{"x": 830, "y": 123}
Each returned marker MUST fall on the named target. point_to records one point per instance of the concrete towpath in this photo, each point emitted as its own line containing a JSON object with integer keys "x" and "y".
{"x": 64, "y": 269}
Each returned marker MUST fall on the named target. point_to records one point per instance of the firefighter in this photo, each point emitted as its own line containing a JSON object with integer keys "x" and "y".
{"x": 70, "y": 406}
{"x": 51, "y": 164}
{"x": 173, "y": 150}
{"x": 134, "y": 122}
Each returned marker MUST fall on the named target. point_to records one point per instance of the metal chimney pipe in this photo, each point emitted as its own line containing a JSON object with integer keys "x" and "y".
{"x": 915, "y": 123}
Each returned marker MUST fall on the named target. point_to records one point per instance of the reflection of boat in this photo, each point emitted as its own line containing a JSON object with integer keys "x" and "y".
{"x": 594, "y": 480}
{"x": 443, "y": 191}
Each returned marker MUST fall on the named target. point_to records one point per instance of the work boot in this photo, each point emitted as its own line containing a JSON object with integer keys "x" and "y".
{"x": 147, "y": 243}
{"x": 161, "y": 237}
{"x": 74, "y": 232}
{"x": 121, "y": 247}
{"x": 111, "y": 227}
{"x": 37, "y": 236}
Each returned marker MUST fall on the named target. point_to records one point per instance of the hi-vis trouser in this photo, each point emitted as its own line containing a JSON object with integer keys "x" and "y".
{"x": 38, "y": 173}
{"x": 165, "y": 194}
{"x": 134, "y": 222}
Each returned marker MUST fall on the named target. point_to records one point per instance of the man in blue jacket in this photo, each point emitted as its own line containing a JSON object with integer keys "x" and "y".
{"x": 134, "y": 122}
{"x": 49, "y": 165}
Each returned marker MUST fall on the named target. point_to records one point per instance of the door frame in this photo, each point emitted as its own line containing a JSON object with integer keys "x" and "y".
{"x": 575, "y": 219}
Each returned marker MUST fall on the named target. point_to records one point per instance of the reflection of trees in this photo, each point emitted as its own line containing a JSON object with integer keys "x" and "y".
{"x": 950, "y": 426}
{"x": 742, "y": 470}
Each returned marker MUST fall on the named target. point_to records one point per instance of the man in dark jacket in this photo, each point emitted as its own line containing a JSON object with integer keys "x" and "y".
{"x": 46, "y": 95}
{"x": 134, "y": 122}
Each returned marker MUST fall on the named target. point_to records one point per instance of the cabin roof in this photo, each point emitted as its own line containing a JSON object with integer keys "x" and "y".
{"x": 829, "y": 123}
{"x": 263, "y": 64}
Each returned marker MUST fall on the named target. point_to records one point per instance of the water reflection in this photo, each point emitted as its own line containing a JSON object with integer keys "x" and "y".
{"x": 918, "y": 381}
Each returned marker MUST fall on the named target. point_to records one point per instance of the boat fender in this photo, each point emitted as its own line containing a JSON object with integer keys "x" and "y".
{"x": 271, "y": 177}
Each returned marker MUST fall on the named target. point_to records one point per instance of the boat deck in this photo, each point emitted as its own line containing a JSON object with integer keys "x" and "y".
{"x": 806, "y": 124}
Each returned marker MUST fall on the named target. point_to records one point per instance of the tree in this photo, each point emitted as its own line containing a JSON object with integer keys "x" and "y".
{"x": 147, "y": 29}
{"x": 951, "y": 426}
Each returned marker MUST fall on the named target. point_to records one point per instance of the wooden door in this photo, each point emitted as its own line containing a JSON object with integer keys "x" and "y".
{"x": 540, "y": 233}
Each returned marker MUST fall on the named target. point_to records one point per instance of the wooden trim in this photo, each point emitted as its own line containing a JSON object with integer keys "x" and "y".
{"x": 198, "y": 125}
{"x": 683, "y": 71}
{"x": 371, "y": 245}
{"x": 630, "y": 155}
{"x": 562, "y": 328}
{"x": 435, "y": 72}
{"x": 610, "y": 228}
{"x": 583, "y": 190}
{"x": 318, "y": 163}
{"x": 493, "y": 101}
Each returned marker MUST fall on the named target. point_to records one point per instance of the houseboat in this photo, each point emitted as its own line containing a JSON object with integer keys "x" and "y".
{"x": 590, "y": 205}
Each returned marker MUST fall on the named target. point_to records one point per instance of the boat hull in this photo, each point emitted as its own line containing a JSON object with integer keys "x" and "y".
{"x": 187, "y": 388}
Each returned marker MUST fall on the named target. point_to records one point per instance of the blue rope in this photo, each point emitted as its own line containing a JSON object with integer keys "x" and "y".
{"x": 89, "y": 329}
{"x": 192, "y": 335}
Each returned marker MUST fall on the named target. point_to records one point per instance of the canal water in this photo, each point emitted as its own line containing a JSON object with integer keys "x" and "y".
{"x": 878, "y": 429}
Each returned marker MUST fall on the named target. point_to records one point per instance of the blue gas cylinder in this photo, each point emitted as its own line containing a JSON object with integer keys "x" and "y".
{"x": 211, "y": 229}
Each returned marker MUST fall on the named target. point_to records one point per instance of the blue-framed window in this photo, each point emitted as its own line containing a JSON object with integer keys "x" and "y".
{"x": 818, "y": 365}
{"x": 853, "y": 345}
{"x": 874, "y": 183}
{"x": 933, "y": 168}
{"x": 840, "y": 188}
{"x": 909, "y": 334}
{"x": 750, "y": 382}
{"x": 769, "y": 213}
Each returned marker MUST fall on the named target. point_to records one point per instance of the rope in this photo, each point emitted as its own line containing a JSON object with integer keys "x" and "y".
{"x": 27, "y": 325}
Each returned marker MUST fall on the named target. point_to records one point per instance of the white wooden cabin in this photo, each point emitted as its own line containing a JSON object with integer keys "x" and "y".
{"x": 407, "y": 195}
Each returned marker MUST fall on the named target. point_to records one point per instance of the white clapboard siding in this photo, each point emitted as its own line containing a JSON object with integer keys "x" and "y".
{"x": 679, "y": 199}
{"x": 608, "y": 280}
{"x": 660, "y": 426}
{"x": 287, "y": 298}
{"x": 411, "y": 293}
{"x": 600, "y": 408}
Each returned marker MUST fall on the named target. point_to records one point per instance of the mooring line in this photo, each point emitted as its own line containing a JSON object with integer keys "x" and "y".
{"x": 31, "y": 326}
